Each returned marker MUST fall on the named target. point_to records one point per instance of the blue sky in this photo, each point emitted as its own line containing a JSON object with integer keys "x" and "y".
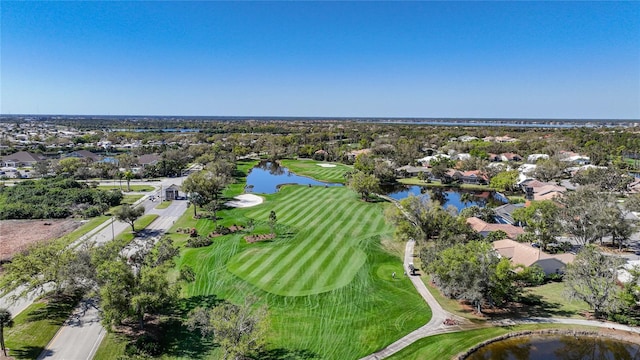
{"x": 378, "y": 59}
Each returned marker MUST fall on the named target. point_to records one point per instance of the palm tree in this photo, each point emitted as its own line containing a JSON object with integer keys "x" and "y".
{"x": 5, "y": 321}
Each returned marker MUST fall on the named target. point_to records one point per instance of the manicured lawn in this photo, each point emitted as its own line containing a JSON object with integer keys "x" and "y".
{"x": 446, "y": 346}
{"x": 111, "y": 346}
{"x": 124, "y": 187}
{"x": 163, "y": 205}
{"x": 36, "y": 326}
{"x": 325, "y": 279}
{"x": 555, "y": 302}
{"x": 312, "y": 168}
{"x": 240, "y": 178}
{"x": 416, "y": 181}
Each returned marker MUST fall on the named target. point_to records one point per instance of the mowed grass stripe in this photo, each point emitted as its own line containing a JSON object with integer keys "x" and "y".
{"x": 339, "y": 260}
{"x": 327, "y": 210}
{"x": 289, "y": 264}
{"x": 303, "y": 210}
{"x": 320, "y": 263}
{"x": 311, "y": 261}
{"x": 262, "y": 257}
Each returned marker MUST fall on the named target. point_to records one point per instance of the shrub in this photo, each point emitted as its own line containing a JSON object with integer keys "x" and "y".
{"x": 197, "y": 242}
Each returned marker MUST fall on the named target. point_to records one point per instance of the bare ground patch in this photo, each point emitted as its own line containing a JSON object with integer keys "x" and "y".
{"x": 17, "y": 235}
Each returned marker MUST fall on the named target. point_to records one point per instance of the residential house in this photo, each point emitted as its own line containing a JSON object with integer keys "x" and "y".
{"x": 467, "y": 177}
{"x": 352, "y": 155}
{"x": 411, "y": 171}
{"x": 510, "y": 157}
{"x": 533, "y": 158}
{"x": 527, "y": 255}
{"x": 149, "y": 160}
{"x": 426, "y": 161}
{"x": 83, "y": 154}
{"x": 504, "y": 213}
{"x": 574, "y": 158}
{"x": 21, "y": 159}
{"x": 484, "y": 228}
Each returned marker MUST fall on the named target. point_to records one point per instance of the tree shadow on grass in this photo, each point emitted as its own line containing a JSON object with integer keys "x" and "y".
{"x": 533, "y": 305}
{"x": 27, "y": 352}
{"x": 182, "y": 342}
{"x": 287, "y": 354}
{"x": 57, "y": 308}
{"x": 187, "y": 304}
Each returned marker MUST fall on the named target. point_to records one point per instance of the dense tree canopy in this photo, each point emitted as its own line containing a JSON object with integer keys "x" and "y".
{"x": 54, "y": 198}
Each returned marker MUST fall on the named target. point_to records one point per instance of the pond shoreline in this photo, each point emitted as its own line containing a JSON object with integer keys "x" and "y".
{"x": 611, "y": 334}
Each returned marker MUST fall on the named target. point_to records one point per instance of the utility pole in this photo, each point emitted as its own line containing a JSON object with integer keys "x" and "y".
{"x": 113, "y": 234}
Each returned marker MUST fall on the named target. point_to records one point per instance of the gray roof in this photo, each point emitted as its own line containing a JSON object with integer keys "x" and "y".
{"x": 505, "y": 211}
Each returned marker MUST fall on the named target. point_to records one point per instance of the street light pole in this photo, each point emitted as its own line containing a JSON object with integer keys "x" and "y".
{"x": 113, "y": 234}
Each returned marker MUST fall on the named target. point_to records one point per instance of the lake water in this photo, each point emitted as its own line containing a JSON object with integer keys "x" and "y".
{"x": 554, "y": 347}
{"x": 266, "y": 177}
{"x": 458, "y": 198}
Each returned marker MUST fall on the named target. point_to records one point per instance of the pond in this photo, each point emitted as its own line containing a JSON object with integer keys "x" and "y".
{"x": 555, "y": 347}
{"x": 267, "y": 177}
{"x": 458, "y": 198}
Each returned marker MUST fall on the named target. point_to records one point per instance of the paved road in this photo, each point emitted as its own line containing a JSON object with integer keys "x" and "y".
{"x": 81, "y": 335}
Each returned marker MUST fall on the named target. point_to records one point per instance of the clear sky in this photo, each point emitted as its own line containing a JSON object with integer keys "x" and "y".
{"x": 369, "y": 59}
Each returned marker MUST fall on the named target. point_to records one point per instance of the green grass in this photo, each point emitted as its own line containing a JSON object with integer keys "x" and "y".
{"x": 111, "y": 346}
{"x": 554, "y": 302}
{"x": 131, "y": 198}
{"x": 447, "y": 346}
{"x": 240, "y": 178}
{"x": 341, "y": 310}
{"x": 163, "y": 205}
{"x": 324, "y": 256}
{"x": 310, "y": 168}
{"x": 140, "y": 188}
{"x": 416, "y": 181}
{"x": 36, "y": 325}
{"x": 139, "y": 224}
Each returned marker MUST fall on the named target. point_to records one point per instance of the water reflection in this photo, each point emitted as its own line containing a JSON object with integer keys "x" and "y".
{"x": 460, "y": 199}
{"x": 551, "y": 347}
{"x": 267, "y": 177}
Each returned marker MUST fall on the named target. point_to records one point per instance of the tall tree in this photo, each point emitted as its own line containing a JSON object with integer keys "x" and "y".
{"x": 364, "y": 184}
{"x": 583, "y": 213}
{"x": 5, "y": 321}
{"x": 129, "y": 214}
{"x": 592, "y": 278}
{"x": 207, "y": 184}
{"x": 240, "y": 330}
{"x": 542, "y": 220}
{"x": 505, "y": 180}
{"x": 128, "y": 175}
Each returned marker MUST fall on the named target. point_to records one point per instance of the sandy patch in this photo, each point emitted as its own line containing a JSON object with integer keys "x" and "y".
{"x": 327, "y": 165}
{"x": 245, "y": 200}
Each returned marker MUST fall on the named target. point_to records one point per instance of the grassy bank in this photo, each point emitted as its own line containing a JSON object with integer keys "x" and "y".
{"x": 446, "y": 346}
{"x": 416, "y": 181}
{"x": 312, "y": 169}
